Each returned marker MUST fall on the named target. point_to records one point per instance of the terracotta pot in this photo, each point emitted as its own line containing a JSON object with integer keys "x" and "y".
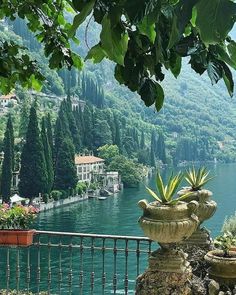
{"x": 168, "y": 224}
{"x": 16, "y": 237}
{"x": 207, "y": 207}
{"x": 222, "y": 269}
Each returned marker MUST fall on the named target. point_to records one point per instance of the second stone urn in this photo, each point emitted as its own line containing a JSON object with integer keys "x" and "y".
{"x": 205, "y": 210}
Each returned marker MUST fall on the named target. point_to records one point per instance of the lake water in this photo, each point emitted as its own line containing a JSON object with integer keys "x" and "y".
{"x": 117, "y": 215}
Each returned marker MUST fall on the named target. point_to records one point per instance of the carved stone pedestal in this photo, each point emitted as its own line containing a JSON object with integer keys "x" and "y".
{"x": 201, "y": 237}
{"x": 169, "y": 273}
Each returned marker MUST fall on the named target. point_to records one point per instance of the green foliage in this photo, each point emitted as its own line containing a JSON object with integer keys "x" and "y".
{"x": 17, "y": 217}
{"x": 48, "y": 157}
{"x": 197, "y": 178}
{"x": 167, "y": 192}
{"x": 225, "y": 242}
{"x": 65, "y": 170}
{"x": 45, "y": 198}
{"x": 108, "y": 152}
{"x": 6, "y": 176}
{"x": 33, "y": 166}
{"x": 230, "y": 225}
{"x": 56, "y": 195}
{"x": 131, "y": 172}
{"x": 129, "y": 38}
{"x": 81, "y": 187}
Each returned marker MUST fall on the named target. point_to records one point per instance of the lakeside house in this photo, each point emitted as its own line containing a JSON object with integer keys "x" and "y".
{"x": 88, "y": 167}
{"x": 91, "y": 169}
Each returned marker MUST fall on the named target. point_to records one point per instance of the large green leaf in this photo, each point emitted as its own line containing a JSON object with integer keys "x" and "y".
{"x": 96, "y": 53}
{"x": 180, "y": 18}
{"x": 151, "y": 92}
{"x": 232, "y": 50}
{"x": 215, "y": 18}
{"x": 79, "y": 18}
{"x": 215, "y": 72}
{"x": 147, "y": 27}
{"x": 114, "y": 41}
{"x": 228, "y": 79}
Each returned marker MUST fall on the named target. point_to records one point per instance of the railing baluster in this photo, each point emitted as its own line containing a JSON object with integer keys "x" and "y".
{"x": 8, "y": 269}
{"x": 103, "y": 266}
{"x": 115, "y": 267}
{"x": 28, "y": 270}
{"x": 49, "y": 266}
{"x": 92, "y": 265}
{"x": 81, "y": 274}
{"x": 17, "y": 270}
{"x": 138, "y": 256}
{"x": 38, "y": 266}
{"x": 70, "y": 277}
{"x": 126, "y": 281}
{"x": 60, "y": 268}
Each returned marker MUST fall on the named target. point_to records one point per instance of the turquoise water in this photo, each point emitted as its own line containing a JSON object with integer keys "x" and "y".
{"x": 117, "y": 215}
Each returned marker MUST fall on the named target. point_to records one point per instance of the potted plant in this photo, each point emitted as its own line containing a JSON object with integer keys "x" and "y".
{"x": 168, "y": 219}
{"x": 230, "y": 226}
{"x": 197, "y": 179}
{"x": 223, "y": 261}
{"x": 14, "y": 224}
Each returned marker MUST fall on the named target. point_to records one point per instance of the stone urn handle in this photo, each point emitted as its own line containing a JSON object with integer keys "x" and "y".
{"x": 193, "y": 206}
{"x": 143, "y": 204}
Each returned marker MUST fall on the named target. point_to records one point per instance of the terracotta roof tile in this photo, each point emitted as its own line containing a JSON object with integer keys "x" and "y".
{"x": 87, "y": 160}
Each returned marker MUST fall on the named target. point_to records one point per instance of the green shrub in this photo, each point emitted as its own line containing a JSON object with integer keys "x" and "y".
{"x": 64, "y": 194}
{"x": 93, "y": 186}
{"x": 56, "y": 195}
{"x": 230, "y": 225}
{"x": 81, "y": 188}
{"x": 45, "y": 198}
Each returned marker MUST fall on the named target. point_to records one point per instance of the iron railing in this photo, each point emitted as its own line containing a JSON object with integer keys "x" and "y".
{"x": 74, "y": 263}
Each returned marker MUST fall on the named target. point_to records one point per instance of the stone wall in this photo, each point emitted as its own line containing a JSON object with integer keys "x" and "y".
{"x": 62, "y": 202}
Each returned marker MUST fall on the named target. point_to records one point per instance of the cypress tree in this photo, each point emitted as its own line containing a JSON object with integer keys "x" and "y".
{"x": 161, "y": 149}
{"x": 11, "y": 131}
{"x": 49, "y": 131}
{"x": 142, "y": 141}
{"x": 33, "y": 173}
{"x": 65, "y": 171}
{"x": 48, "y": 157}
{"x": 152, "y": 151}
{"x": 117, "y": 140}
{"x": 72, "y": 125}
{"x": 7, "y": 167}
{"x": 59, "y": 136}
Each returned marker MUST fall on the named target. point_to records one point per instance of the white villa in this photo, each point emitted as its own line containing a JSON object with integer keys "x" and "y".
{"x": 6, "y": 101}
{"x": 88, "y": 166}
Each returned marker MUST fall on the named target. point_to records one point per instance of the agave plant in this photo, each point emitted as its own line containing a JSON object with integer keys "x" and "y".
{"x": 167, "y": 192}
{"x": 197, "y": 178}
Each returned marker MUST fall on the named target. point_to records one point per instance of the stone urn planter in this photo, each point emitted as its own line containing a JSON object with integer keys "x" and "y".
{"x": 222, "y": 268}
{"x": 206, "y": 208}
{"x": 168, "y": 224}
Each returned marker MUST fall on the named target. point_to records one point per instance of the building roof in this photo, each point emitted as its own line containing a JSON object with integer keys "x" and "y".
{"x": 87, "y": 160}
{"x": 8, "y": 96}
